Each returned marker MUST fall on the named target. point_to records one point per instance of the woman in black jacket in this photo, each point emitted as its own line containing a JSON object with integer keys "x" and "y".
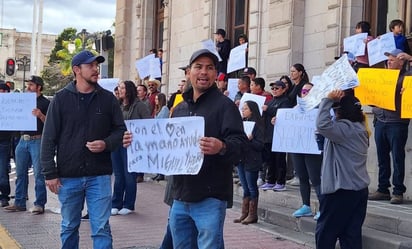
{"x": 248, "y": 168}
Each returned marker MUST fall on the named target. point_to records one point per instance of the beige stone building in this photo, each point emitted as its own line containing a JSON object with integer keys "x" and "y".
{"x": 281, "y": 33}
{"x": 17, "y": 45}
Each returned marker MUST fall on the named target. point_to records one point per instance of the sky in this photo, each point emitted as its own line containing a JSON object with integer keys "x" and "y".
{"x": 92, "y": 15}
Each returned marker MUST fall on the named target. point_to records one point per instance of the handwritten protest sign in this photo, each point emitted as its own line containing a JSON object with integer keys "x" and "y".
{"x": 406, "y": 106}
{"x": 16, "y": 112}
{"x": 340, "y": 75}
{"x": 294, "y": 131}
{"x": 109, "y": 83}
{"x": 166, "y": 146}
{"x": 377, "y": 48}
{"x": 355, "y": 44}
{"x": 232, "y": 88}
{"x": 237, "y": 58}
{"x": 377, "y": 87}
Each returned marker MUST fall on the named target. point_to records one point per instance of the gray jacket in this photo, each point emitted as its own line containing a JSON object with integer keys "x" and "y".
{"x": 345, "y": 152}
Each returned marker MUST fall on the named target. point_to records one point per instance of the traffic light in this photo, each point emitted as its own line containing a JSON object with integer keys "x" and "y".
{"x": 10, "y": 66}
{"x": 107, "y": 42}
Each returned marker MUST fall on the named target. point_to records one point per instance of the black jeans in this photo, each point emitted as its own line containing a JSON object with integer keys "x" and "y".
{"x": 341, "y": 216}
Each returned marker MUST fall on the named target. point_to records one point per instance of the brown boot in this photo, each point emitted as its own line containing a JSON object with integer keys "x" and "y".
{"x": 252, "y": 217}
{"x": 245, "y": 210}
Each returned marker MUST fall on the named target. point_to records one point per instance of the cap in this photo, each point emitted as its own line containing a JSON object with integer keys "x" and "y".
{"x": 203, "y": 52}
{"x": 278, "y": 83}
{"x": 249, "y": 70}
{"x": 394, "y": 52}
{"x": 4, "y": 86}
{"x": 221, "y": 32}
{"x": 36, "y": 80}
{"x": 351, "y": 56}
{"x": 184, "y": 67}
{"x": 86, "y": 57}
{"x": 221, "y": 77}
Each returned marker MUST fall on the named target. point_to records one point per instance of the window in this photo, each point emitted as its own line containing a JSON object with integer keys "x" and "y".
{"x": 159, "y": 14}
{"x": 381, "y": 12}
{"x": 238, "y": 22}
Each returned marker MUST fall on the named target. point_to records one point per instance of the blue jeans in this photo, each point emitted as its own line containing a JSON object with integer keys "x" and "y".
{"x": 248, "y": 179}
{"x": 27, "y": 154}
{"x": 202, "y": 220}
{"x": 97, "y": 192}
{"x": 391, "y": 137}
{"x": 125, "y": 185}
{"x": 4, "y": 169}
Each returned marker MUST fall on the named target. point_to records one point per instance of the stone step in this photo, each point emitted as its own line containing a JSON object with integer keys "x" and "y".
{"x": 386, "y": 225}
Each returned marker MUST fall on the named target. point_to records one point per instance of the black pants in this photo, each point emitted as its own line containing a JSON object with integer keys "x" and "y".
{"x": 341, "y": 216}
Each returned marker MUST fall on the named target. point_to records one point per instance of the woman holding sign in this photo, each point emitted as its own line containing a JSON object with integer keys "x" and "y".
{"x": 125, "y": 187}
{"x": 248, "y": 168}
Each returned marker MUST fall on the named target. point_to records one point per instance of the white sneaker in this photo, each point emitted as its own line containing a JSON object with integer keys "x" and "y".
{"x": 294, "y": 181}
{"x": 260, "y": 182}
{"x": 115, "y": 211}
{"x": 125, "y": 211}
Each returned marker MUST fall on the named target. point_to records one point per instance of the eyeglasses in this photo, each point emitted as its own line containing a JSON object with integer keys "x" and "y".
{"x": 305, "y": 91}
{"x": 275, "y": 88}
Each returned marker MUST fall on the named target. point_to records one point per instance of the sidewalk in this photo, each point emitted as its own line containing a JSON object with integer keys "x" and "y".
{"x": 142, "y": 229}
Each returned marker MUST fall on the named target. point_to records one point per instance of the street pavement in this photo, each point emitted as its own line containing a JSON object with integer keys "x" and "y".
{"x": 142, "y": 229}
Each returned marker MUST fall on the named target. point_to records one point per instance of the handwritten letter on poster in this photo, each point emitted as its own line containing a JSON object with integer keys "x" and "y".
{"x": 166, "y": 146}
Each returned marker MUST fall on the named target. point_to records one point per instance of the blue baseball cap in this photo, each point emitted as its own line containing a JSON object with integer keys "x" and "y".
{"x": 86, "y": 57}
{"x": 394, "y": 52}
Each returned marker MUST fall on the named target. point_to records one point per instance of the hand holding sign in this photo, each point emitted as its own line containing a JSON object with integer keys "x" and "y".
{"x": 165, "y": 146}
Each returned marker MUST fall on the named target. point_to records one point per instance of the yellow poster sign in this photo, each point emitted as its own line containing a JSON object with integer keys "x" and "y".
{"x": 178, "y": 99}
{"x": 406, "y": 106}
{"x": 377, "y": 87}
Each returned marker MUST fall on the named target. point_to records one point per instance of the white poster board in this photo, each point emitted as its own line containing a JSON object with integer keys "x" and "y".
{"x": 211, "y": 46}
{"x": 232, "y": 88}
{"x": 294, "y": 131}
{"x": 339, "y": 75}
{"x": 143, "y": 65}
{"x": 355, "y": 44}
{"x": 377, "y": 48}
{"x": 109, "y": 83}
{"x": 16, "y": 112}
{"x": 237, "y": 58}
{"x": 260, "y": 101}
{"x": 167, "y": 146}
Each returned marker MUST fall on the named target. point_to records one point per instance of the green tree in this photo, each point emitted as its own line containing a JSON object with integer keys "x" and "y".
{"x": 68, "y": 34}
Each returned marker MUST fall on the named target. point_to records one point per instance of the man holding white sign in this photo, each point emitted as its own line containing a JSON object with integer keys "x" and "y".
{"x": 28, "y": 154}
{"x": 200, "y": 201}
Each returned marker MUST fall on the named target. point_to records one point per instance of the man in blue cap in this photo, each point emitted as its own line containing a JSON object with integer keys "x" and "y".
{"x": 84, "y": 124}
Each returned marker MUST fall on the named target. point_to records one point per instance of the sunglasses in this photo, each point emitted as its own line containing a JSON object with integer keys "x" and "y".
{"x": 304, "y": 91}
{"x": 275, "y": 88}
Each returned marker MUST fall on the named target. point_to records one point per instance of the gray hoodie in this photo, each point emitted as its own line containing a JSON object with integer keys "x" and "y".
{"x": 345, "y": 152}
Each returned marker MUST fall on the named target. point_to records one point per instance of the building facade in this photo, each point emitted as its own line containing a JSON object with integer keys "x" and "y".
{"x": 281, "y": 33}
{"x": 17, "y": 45}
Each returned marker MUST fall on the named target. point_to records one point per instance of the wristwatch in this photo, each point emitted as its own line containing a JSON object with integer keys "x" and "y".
{"x": 223, "y": 149}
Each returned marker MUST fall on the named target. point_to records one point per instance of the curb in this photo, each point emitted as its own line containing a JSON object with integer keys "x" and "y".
{"x": 6, "y": 241}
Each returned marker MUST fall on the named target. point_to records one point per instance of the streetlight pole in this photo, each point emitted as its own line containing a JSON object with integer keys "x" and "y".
{"x": 23, "y": 62}
{"x": 84, "y": 35}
